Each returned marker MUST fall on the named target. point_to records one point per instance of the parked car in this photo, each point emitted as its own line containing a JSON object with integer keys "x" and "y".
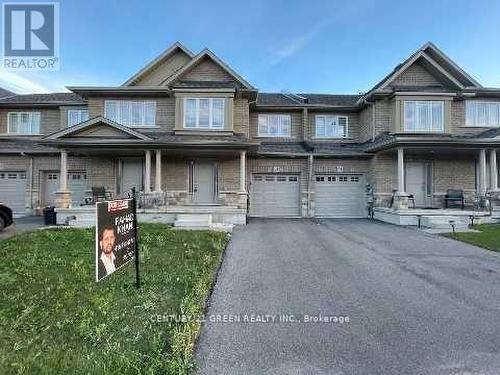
{"x": 5, "y": 216}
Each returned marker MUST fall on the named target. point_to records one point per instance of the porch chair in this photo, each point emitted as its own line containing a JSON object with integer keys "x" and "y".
{"x": 454, "y": 195}
{"x": 99, "y": 194}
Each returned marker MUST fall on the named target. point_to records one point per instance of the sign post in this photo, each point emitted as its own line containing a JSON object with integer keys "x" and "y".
{"x": 116, "y": 236}
{"x": 137, "y": 277}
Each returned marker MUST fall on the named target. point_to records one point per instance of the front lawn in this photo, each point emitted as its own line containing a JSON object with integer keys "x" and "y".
{"x": 487, "y": 237}
{"x": 54, "y": 318}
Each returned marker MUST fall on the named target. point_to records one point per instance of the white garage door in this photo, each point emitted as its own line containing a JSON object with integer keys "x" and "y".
{"x": 340, "y": 196}
{"x": 77, "y": 183}
{"x": 13, "y": 191}
{"x": 275, "y": 195}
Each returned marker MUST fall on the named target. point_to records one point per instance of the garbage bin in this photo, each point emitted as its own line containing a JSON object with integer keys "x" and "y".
{"x": 49, "y": 215}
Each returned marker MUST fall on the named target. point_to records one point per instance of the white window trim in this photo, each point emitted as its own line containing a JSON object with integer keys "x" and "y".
{"x": 430, "y": 102}
{"x": 210, "y": 114}
{"x": 153, "y": 125}
{"x": 31, "y": 113}
{"x": 80, "y": 111}
{"x": 335, "y": 136}
{"x": 467, "y": 119}
{"x": 259, "y": 134}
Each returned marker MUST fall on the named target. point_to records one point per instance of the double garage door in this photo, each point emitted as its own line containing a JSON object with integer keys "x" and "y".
{"x": 336, "y": 195}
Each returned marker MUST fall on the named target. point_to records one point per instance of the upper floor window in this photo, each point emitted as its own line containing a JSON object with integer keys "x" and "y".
{"x": 274, "y": 125}
{"x": 423, "y": 116}
{"x": 331, "y": 126}
{"x": 23, "y": 122}
{"x": 204, "y": 113}
{"x": 76, "y": 116}
{"x": 131, "y": 113}
{"x": 482, "y": 113}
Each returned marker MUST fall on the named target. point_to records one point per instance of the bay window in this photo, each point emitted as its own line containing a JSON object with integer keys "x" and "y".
{"x": 274, "y": 125}
{"x": 204, "y": 113}
{"x": 328, "y": 126}
{"x": 76, "y": 116}
{"x": 23, "y": 122}
{"x": 485, "y": 114}
{"x": 140, "y": 113}
{"x": 423, "y": 116}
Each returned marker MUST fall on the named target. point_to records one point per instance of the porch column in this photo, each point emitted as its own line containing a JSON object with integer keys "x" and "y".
{"x": 63, "y": 178}
{"x": 493, "y": 170}
{"x": 147, "y": 172}
{"x": 401, "y": 171}
{"x": 158, "y": 171}
{"x": 62, "y": 197}
{"x": 482, "y": 173}
{"x": 243, "y": 171}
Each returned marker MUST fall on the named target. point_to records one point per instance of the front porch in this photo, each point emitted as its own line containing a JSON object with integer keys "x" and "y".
{"x": 437, "y": 187}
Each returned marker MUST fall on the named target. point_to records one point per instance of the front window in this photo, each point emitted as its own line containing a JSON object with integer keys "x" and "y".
{"x": 23, "y": 122}
{"x": 131, "y": 113}
{"x": 204, "y": 113}
{"x": 485, "y": 114}
{"x": 331, "y": 126}
{"x": 423, "y": 116}
{"x": 76, "y": 116}
{"x": 274, "y": 125}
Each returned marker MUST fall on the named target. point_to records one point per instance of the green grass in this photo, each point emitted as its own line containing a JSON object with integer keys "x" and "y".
{"x": 54, "y": 318}
{"x": 487, "y": 237}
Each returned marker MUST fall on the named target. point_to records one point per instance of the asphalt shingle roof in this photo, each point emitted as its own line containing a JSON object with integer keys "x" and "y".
{"x": 51, "y": 98}
{"x": 4, "y": 93}
{"x": 279, "y": 99}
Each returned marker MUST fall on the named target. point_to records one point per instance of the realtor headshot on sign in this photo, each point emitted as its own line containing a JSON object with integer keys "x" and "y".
{"x": 331, "y": 166}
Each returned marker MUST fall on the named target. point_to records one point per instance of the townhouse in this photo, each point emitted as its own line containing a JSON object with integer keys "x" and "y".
{"x": 195, "y": 138}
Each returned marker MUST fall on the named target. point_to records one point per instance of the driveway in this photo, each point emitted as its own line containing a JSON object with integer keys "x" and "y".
{"x": 22, "y": 225}
{"x": 417, "y": 303}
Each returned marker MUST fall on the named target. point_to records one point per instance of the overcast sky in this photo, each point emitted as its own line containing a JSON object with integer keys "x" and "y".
{"x": 301, "y": 46}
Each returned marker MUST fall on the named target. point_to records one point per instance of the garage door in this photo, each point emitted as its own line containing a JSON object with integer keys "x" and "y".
{"x": 340, "y": 196}
{"x": 77, "y": 183}
{"x": 275, "y": 195}
{"x": 13, "y": 191}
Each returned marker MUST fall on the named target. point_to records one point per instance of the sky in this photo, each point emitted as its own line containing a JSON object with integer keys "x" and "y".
{"x": 299, "y": 46}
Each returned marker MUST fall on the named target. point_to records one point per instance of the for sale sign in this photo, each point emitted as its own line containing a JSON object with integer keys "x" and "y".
{"x": 116, "y": 236}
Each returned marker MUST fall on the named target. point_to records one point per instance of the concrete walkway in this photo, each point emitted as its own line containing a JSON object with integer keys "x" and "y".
{"x": 416, "y": 303}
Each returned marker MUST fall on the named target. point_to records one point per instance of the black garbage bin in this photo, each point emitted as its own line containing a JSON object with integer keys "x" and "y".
{"x": 49, "y": 215}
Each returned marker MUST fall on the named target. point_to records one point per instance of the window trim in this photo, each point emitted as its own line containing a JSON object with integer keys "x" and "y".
{"x": 75, "y": 110}
{"x": 260, "y": 135}
{"x": 334, "y": 136}
{"x": 468, "y": 124}
{"x": 429, "y": 102}
{"x": 210, "y": 114}
{"x": 145, "y": 126}
{"x": 31, "y": 113}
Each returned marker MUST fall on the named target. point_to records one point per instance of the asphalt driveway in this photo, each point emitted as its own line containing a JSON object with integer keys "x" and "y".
{"x": 416, "y": 303}
{"x": 22, "y": 225}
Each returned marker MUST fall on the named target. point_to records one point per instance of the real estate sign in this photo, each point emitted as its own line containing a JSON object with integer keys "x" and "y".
{"x": 116, "y": 236}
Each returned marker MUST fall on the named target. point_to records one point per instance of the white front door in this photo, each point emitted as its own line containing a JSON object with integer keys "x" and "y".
{"x": 416, "y": 182}
{"x": 204, "y": 182}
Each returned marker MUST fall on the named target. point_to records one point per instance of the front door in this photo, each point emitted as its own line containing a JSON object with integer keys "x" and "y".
{"x": 204, "y": 182}
{"x": 416, "y": 182}
{"x": 131, "y": 175}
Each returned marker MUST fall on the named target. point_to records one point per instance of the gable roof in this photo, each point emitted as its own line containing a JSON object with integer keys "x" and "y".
{"x": 99, "y": 120}
{"x": 4, "y": 93}
{"x": 206, "y": 53}
{"x": 170, "y": 51}
{"x": 435, "y": 60}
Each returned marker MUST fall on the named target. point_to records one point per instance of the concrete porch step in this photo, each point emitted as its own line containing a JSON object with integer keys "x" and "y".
{"x": 443, "y": 222}
{"x": 193, "y": 221}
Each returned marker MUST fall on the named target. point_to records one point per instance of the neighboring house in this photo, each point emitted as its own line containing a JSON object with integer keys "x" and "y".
{"x": 189, "y": 128}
